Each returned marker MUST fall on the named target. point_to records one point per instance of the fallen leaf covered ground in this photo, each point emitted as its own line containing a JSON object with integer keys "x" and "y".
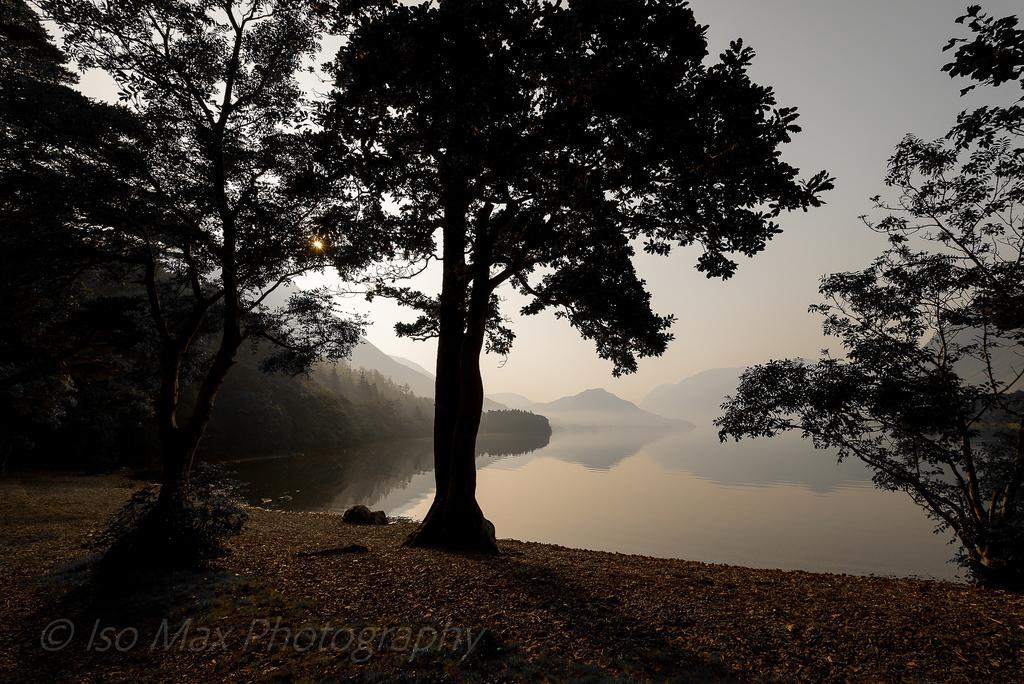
{"x": 536, "y": 612}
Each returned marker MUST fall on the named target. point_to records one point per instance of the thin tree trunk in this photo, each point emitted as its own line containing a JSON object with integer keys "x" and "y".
{"x": 172, "y": 448}
{"x": 214, "y": 380}
{"x": 178, "y": 443}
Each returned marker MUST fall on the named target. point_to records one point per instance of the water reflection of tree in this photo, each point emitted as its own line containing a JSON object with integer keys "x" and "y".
{"x": 507, "y": 445}
{"x": 785, "y": 459}
{"x": 332, "y": 480}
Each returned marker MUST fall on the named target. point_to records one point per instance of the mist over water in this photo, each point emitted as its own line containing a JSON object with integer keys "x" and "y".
{"x": 681, "y": 494}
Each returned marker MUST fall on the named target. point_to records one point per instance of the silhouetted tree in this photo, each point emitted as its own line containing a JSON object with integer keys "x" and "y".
{"x": 214, "y": 230}
{"x": 928, "y": 394}
{"x": 62, "y": 158}
{"x": 544, "y": 142}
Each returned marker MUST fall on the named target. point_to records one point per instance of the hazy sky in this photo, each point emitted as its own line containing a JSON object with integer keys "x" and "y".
{"x": 862, "y": 74}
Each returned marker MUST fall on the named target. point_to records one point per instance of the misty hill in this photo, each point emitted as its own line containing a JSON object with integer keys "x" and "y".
{"x": 337, "y": 406}
{"x": 1006, "y": 357}
{"x": 696, "y": 398}
{"x": 512, "y": 400}
{"x": 601, "y": 408}
{"x": 699, "y": 397}
{"x": 366, "y": 355}
{"x": 412, "y": 364}
{"x": 401, "y": 371}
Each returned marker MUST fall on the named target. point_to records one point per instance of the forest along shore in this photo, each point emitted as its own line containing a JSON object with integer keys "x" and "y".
{"x": 305, "y": 595}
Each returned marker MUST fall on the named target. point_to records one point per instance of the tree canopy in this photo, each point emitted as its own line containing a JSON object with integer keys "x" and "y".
{"x": 566, "y": 135}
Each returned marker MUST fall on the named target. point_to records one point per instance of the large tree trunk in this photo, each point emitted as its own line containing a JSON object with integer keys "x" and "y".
{"x": 470, "y": 530}
{"x": 455, "y": 520}
{"x": 451, "y": 326}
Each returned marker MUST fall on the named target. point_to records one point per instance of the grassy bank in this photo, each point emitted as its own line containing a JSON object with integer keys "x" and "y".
{"x": 275, "y": 610}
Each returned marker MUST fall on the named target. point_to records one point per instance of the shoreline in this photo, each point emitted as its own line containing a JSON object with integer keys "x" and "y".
{"x": 547, "y": 610}
{"x": 403, "y": 519}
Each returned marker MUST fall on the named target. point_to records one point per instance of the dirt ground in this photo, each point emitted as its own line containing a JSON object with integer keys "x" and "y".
{"x": 273, "y": 612}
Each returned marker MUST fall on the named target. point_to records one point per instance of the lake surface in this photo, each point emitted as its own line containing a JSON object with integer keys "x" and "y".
{"x": 765, "y": 503}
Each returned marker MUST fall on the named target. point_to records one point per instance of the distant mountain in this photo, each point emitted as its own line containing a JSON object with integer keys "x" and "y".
{"x": 697, "y": 398}
{"x": 365, "y": 355}
{"x": 601, "y": 408}
{"x": 412, "y": 364}
{"x": 491, "y": 405}
{"x": 512, "y": 400}
{"x": 402, "y": 371}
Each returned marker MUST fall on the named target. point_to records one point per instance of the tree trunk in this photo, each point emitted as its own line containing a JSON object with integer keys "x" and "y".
{"x": 996, "y": 551}
{"x": 455, "y": 520}
{"x": 998, "y": 565}
{"x": 471, "y": 530}
{"x": 173, "y": 456}
{"x": 451, "y": 324}
{"x": 230, "y": 342}
{"x": 178, "y": 444}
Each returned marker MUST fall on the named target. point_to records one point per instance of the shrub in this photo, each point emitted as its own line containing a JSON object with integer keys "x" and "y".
{"x": 149, "y": 536}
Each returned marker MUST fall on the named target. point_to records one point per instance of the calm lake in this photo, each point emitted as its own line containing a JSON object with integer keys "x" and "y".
{"x": 765, "y": 503}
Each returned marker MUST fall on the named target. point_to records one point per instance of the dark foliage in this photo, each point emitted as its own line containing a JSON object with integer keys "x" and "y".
{"x": 149, "y": 534}
{"x": 993, "y": 55}
{"x": 65, "y": 332}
